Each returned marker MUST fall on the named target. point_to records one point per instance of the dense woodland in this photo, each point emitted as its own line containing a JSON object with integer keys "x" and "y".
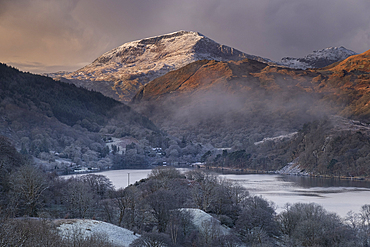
{"x": 43, "y": 117}
{"x": 154, "y": 208}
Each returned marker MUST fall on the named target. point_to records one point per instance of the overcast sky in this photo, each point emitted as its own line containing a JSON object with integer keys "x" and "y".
{"x": 53, "y": 35}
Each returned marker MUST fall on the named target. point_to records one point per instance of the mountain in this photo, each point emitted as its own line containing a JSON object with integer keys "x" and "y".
{"x": 239, "y": 104}
{"x": 119, "y": 73}
{"x": 317, "y": 59}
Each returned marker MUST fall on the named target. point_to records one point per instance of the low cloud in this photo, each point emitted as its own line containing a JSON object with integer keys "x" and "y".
{"x": 248, "y": 110}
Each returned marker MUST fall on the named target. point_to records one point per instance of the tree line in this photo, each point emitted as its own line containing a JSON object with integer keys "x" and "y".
{"x": 157, "y": 208}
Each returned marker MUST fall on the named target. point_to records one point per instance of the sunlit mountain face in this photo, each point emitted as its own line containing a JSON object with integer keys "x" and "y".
{"x": 119, "y": 73}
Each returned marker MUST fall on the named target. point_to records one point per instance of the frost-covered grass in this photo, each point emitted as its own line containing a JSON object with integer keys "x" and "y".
{"x": 202, "y": 220}
{"x": 116, "y": 235}
{"x": 119, "y": 236}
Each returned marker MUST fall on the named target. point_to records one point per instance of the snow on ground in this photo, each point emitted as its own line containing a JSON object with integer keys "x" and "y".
{"x": 117, "y": 235}
{"x": 122, "y": 237}
{"x": 202, "y": 220}
{"x": 330, "y": 54}
{"x": 293, "y": 168}
{"x": 277, "y": 138}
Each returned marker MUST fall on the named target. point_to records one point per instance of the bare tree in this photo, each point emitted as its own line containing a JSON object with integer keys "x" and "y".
{"x": 208, "y": 232}
{"x": 204, "y": 190}
{"x": 29, "y": 232}
{"x": 78, "y": 198}
{"x": 162, "y": 202}
{"x": 364, "y": 226}
{"x": 227, "y": 241}
{"x": 28, "y": 185}
{"x": 180, "y": 226}
{"x": 256, "y": 222}
{"x": 127, "y": 200}
{"x": 310, "y": 225}
{"x": 99, "y": 184}
{"x": 10, "y": 160}
{"x": 165, "y": 173}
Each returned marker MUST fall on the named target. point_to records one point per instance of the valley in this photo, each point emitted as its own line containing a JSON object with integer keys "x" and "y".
{"x": 188, "y": 99}
{"x": 172, "y": 101}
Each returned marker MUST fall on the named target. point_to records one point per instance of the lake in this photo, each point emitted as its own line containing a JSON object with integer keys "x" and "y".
{"x": 339, "y": 196}
{"x": 121, "y": 178}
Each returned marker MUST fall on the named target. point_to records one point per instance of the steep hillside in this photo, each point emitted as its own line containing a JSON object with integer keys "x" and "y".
{"x": 359, "y": 62}
{"x": 42, "y": 117}
{"x": 347, "y": 84}
{"x": 233, "y": 76}
{"x": 226, "y": 103}
{"x": 119, "y": 73}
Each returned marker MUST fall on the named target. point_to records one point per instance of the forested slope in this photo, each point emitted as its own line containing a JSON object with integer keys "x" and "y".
{"x": 42, "y": 116}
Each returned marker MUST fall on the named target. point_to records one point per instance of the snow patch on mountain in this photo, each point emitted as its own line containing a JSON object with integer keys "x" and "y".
{"x": 277, "y": 138}
{"x": 318, "y": 59}
{"x": 293, "y": 168}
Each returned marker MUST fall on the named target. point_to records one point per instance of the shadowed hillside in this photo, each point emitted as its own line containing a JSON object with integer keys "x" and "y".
{"x": 42, "y": 117}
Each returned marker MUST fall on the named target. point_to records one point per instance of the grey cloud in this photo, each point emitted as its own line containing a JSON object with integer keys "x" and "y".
{"x": 41, "y": 68}
{"x": 68, "y": 33}
{"x": 45, "y": 32}
{"x": 298, "y": 27}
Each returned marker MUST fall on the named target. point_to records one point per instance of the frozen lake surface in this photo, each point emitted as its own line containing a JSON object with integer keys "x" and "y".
{"x": 121, "y": 178}
{"x": 339, "y": 196}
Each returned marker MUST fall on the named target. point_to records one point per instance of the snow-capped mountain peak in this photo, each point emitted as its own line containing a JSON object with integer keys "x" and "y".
{"x": 318, "y": 58}
{"x": 186, "y": 44}
{"x": 135, "y": 63}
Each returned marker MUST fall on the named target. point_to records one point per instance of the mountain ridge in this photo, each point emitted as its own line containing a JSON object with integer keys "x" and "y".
{"x": 124, "y": 69}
